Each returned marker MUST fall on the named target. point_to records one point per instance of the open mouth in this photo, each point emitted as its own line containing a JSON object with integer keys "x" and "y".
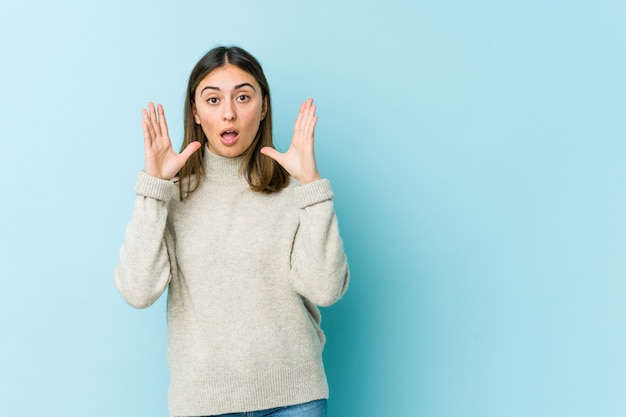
{"x": 229, "y": 137}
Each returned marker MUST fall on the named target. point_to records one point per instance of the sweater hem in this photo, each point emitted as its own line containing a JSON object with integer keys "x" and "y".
{"x": 241, "y": 391}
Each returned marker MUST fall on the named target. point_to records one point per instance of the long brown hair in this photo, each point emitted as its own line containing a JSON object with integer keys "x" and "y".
{"x": 262, "y": 172}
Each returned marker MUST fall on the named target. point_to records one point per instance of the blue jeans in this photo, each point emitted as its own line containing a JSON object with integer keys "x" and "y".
{"x": 312, "y": 409}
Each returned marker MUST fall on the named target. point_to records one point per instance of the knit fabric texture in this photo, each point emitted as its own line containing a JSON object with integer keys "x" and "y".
{"x": 245, "y": 272}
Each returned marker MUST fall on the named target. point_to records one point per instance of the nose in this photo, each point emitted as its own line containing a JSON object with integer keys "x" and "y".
{"x": 229, "y": 111}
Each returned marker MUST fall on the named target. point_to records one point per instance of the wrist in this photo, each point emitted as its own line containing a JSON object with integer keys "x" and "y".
{"x": 309, "y": 179}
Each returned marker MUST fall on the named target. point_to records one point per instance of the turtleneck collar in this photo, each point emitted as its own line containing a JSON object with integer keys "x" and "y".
{"x": 221, "y": 168}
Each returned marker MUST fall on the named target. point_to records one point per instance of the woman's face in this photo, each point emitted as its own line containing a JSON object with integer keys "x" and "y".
{"x": 229, "y": 106}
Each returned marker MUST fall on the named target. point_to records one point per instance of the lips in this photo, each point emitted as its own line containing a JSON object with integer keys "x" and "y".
{"x": 229, "y": 136}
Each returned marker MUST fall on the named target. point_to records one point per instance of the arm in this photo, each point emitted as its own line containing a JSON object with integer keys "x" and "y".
{"x": 319, "y": 265}
{"x": 144, "y": 269}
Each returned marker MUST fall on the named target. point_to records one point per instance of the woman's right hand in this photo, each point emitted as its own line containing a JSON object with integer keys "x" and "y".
{"x": 161, "y": 160}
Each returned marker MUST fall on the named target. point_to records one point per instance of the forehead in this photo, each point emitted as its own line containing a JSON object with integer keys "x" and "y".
{"x": 227, "y": 77}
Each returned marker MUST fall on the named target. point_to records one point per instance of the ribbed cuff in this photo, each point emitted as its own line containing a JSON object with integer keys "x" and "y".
{"x": 313, "y": 193}
{"x": 153, "y": 187}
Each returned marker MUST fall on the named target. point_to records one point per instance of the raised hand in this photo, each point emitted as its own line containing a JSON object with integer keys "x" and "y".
{"x": 161, "y": 160}
{"x": 299, "y": 160}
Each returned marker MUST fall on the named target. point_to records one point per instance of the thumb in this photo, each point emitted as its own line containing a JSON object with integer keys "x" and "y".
{"x": 272, "y": 153}
{"x": 190, "y": 149}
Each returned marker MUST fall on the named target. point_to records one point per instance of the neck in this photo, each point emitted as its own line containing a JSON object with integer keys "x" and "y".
{"x": 222, "y": 168}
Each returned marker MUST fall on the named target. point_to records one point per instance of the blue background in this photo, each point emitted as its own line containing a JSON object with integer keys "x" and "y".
{"x": 477, "y": 152}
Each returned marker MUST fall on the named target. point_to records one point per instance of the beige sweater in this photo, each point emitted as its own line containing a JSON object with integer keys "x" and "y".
{"x": 244, "y": 271}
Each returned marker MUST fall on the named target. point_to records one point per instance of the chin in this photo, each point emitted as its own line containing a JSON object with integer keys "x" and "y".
{"x": 233, "y": 152}
{"x": 226, "y": 152}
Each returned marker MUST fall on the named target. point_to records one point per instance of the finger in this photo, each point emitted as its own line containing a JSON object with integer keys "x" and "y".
{"x": 148, "y": 130}
{"x": 153, "y": 118}
{"x": 162, "y": 121}
{"x": 147, "y": 135}
{"x": 190, "y": 149}
{"x": 145, "y": 114}
{"x": 150, "y": 110}
{"x": 307, "y": 107}
{"x": 303, "y": 115}
{"x": 272, "y": 153}
{"x": 309, "y": 110}
{"x": 311, "y": 117}
{"x": 309, "y": 121}
{"x": 311, "y": 127}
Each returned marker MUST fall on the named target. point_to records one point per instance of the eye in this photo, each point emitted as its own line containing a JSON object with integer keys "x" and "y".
{"x": 212, "y": 100}
{"x": 243, "y": 98}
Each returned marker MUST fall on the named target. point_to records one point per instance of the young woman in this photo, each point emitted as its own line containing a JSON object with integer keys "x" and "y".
{"x": 246, "y": 241}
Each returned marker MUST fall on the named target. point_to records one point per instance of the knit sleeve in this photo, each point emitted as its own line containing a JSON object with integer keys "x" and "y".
{"x": 319, "y": 265}
{"x": 143, "y": 271}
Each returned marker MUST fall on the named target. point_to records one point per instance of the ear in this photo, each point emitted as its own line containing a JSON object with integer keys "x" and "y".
{"x": 264, "y": 108}
{"x": 195, "y": 113}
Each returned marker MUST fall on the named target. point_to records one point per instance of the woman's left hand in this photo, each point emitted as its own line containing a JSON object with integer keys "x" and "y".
{"x": 299, "y": 160}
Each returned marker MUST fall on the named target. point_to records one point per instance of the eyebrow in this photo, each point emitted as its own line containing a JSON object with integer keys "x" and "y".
{"x": 237, "y": 87}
